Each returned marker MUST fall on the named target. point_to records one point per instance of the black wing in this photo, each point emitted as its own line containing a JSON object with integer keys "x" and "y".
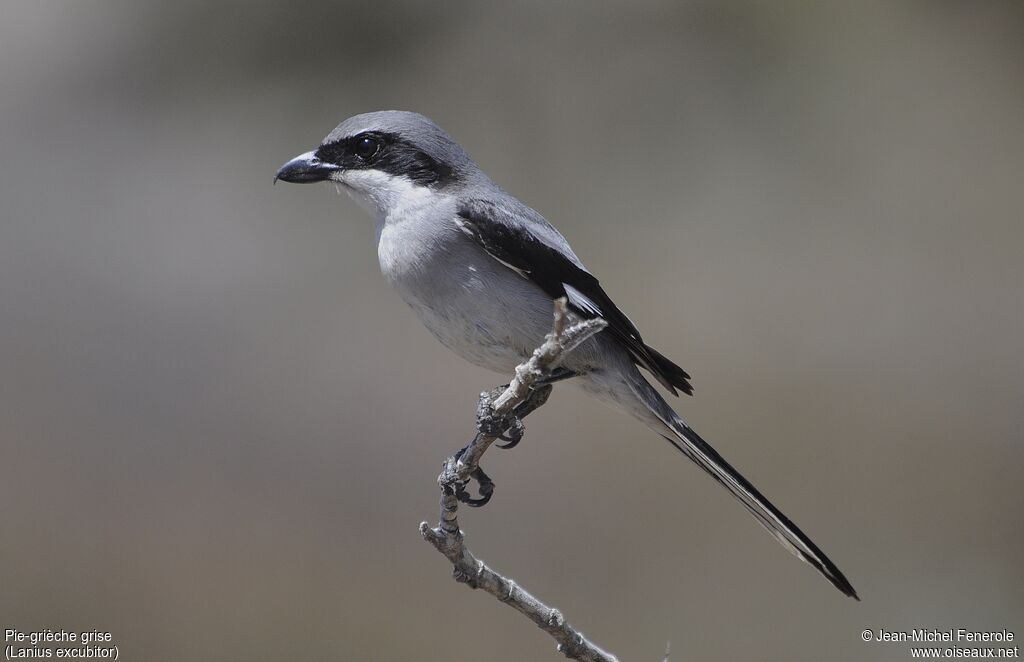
{"x": 513, "y": 244}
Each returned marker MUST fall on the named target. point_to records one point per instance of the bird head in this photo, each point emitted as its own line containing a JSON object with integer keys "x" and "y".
{"x": 384, "y": 159}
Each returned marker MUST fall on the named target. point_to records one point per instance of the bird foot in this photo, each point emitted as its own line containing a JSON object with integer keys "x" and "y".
{"x": 485, "y": 486}
{"x": 510, "y": 428}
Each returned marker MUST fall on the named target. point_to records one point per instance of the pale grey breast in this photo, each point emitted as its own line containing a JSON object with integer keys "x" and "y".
{"x": 477, "y": 307}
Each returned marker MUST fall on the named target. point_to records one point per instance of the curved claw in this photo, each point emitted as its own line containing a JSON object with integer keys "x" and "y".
{"x": 464, "y": 497}
{"x": 485, "y": 487}
{"x": 513, "y": 435}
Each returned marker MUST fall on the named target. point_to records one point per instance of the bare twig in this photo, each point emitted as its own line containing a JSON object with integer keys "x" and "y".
{"x": 498, "y": 413}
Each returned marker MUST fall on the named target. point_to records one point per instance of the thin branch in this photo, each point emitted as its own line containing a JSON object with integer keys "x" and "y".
{"x": 500, "y": 411}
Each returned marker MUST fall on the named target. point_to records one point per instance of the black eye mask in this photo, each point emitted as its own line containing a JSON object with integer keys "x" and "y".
{"x": 388, "y": 153}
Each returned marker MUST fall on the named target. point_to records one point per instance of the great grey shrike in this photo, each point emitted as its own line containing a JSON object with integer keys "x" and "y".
{"x": 481, "y": 269}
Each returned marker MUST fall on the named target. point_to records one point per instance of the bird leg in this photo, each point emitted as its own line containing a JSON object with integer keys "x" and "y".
{"x": 485, "y": 486}
{"x": 513, "y": 433}
{"x": 509, "y": 429}
{"x": 558, "y": 375}
{"x": 540, "y": 393}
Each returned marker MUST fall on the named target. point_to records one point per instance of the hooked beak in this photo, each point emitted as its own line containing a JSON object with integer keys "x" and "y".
{"x": 305, "y": 169}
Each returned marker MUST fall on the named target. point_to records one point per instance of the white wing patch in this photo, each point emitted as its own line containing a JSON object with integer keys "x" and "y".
{"x": 521, "y": 272}
{"x": 581, "y": 301}
{"x": 463, "y": 225}
{"x": 468, "y": 230}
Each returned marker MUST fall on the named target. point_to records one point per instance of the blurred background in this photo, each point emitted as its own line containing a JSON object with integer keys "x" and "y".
{"x": 220, "y": 429}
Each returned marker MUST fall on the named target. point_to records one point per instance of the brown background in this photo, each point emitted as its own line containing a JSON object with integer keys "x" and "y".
{"x": 219, "y": 429}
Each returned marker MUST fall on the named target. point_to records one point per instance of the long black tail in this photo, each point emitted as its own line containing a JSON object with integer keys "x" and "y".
{"x": 688, "y": 442}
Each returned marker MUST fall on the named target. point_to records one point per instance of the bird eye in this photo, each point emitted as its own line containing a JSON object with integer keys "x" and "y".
{"x": 366, "y": 147}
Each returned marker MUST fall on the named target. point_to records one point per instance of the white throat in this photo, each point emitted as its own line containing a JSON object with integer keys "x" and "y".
{"x": 388, "y": 198}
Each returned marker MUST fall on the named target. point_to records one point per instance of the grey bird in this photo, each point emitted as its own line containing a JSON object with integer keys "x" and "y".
{"x": 481, "y": 270}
